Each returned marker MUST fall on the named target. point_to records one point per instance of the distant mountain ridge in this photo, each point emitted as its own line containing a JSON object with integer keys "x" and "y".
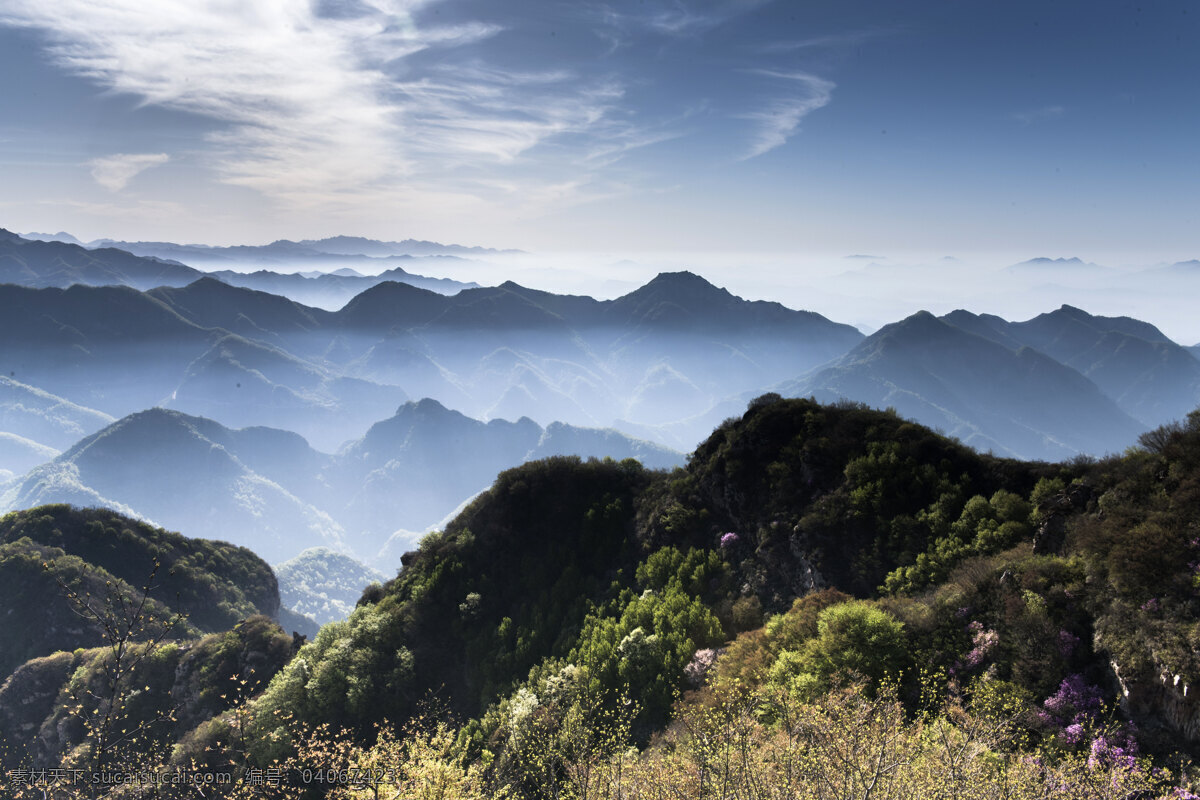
{"x": 186, "y": 473}
{"x": 60, "y": 260}
{"x": 313, "y": 249}
{"x": 666, "y": 362}
{"x": 978, "y": 389}
{"x": 267, "y": 489}
{"x": 41, "y": 264}
{"x": 1150, "y": 377}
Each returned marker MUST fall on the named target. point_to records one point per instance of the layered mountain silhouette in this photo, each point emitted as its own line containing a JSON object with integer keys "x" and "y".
{"x": 1150, "y": 377}
{"x": 43, "y": 421}
{"x": 298, "y": 426}
{"x": 284, "y": 251}
{"x": 267, "y": 489}
{"x": 979, "y": 389}
{"x": 665, "y": 353}
{"x": 52, "y": 263}
{"x": 664, "y": 361}
{"x": 185, "y": 473}
{"x": 35, "y": 426}
{"x": 60, "y": 260}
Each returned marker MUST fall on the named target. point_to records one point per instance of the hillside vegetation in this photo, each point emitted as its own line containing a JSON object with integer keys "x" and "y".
{"x": 825, "y": 599}
{"x": 46, "y": 551}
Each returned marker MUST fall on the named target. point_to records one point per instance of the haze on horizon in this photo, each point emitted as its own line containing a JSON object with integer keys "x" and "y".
{"x": 737, "y": 126}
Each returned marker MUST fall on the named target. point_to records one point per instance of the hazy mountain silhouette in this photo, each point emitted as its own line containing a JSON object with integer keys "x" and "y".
{"x": 243, "y": 383}
{"x": 1150, "y": 377}
{"x": 411, "y": 470}
{"x": 61, "y": 236}
{"x": 1043, "y": 264}
{"x": 111, "y": 348}
{"x": 358, "y": 245}
{"x": 663, "y": 361}
{"x": 267, "y": 489}
{"x": 186, "y": 473}
{"x": 52, "y": 263}
{"x": 284, "y": 251}
{"x": 1016, "y": 402}
{"x": 52, "y": 260}
{"x": 45, "y": 418}
{"x": 36, "y": 425}
{"x": 331, "y": 290}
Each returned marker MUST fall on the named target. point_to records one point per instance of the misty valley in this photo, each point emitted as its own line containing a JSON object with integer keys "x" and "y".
{"x": 260, "y": 503}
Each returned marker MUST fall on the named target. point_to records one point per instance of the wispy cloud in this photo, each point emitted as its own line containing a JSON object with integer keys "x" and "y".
{"x": 115, "y": 171}
{"x": 302, "y": 105}
{"x": 779, "y": 120}
{"x": 825, "y": 41}
{"x": 320, "y": 104}
{"x": 675, "y": 17}
{"x": 382, "y": 107}
{"x": 1039, "y": 114}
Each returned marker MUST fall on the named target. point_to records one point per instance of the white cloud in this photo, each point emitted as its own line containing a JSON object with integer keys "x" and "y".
{"x": 329, "y": 111}
{"x": 780, "y": 119}
{"x": 115, "y": 171}
{"x": 346, "y": 110}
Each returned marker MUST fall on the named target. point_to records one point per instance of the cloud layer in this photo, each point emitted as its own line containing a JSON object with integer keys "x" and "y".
{"x": 115, "y": 171}
{"x": 346, "y": 104}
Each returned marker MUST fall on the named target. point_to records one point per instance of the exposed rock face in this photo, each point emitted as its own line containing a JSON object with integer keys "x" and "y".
{"x": 27, "y": 698}
{"x": 806, "y": 577}
{"x": 1162, "y": 701}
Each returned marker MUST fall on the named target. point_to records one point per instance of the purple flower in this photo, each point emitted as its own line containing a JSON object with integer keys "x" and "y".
{"x": 984, "y": 642}
{"x": 729, "y": 539}
{"x": 1067, "y": 643}
{"x": 1117, "y": 748}
{"x": 1075, "y": 702}
{"x": 1073, "y": 733}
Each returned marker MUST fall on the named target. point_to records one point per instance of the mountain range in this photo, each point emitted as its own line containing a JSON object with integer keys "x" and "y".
{"x": 267, "y": 489}
{"x": 992, "y": 396}
{"x": 209, "y": 407}
{"x": 60, "y": 260}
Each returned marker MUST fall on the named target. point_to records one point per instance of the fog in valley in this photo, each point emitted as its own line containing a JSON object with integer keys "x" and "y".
{"x": 356, "y": 405}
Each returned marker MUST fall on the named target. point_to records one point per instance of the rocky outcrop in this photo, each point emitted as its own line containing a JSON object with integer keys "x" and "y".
{"x": 28, "y": 697}
{"x": 1051, "y": 533}
{"x": 1165, "y": 701}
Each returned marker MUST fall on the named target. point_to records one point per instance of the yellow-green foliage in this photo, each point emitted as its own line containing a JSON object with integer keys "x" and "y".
{"x": 854, "y": 638}
{"x": 983, "y": 527}
{"x": 842, "y": 743}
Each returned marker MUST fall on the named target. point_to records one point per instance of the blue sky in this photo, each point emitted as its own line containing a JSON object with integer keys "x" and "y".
{"x": 1052, "y": 128}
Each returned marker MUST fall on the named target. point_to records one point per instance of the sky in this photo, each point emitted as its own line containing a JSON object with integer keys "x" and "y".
{"x": 1045, "y": 128}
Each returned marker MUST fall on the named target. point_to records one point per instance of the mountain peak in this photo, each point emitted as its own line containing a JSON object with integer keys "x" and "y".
{"x": 1073, "y": 263}
{"x": 686, "y": 288}
{"x": 1046, "y": 260}
{"x": 681, "y": 278}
